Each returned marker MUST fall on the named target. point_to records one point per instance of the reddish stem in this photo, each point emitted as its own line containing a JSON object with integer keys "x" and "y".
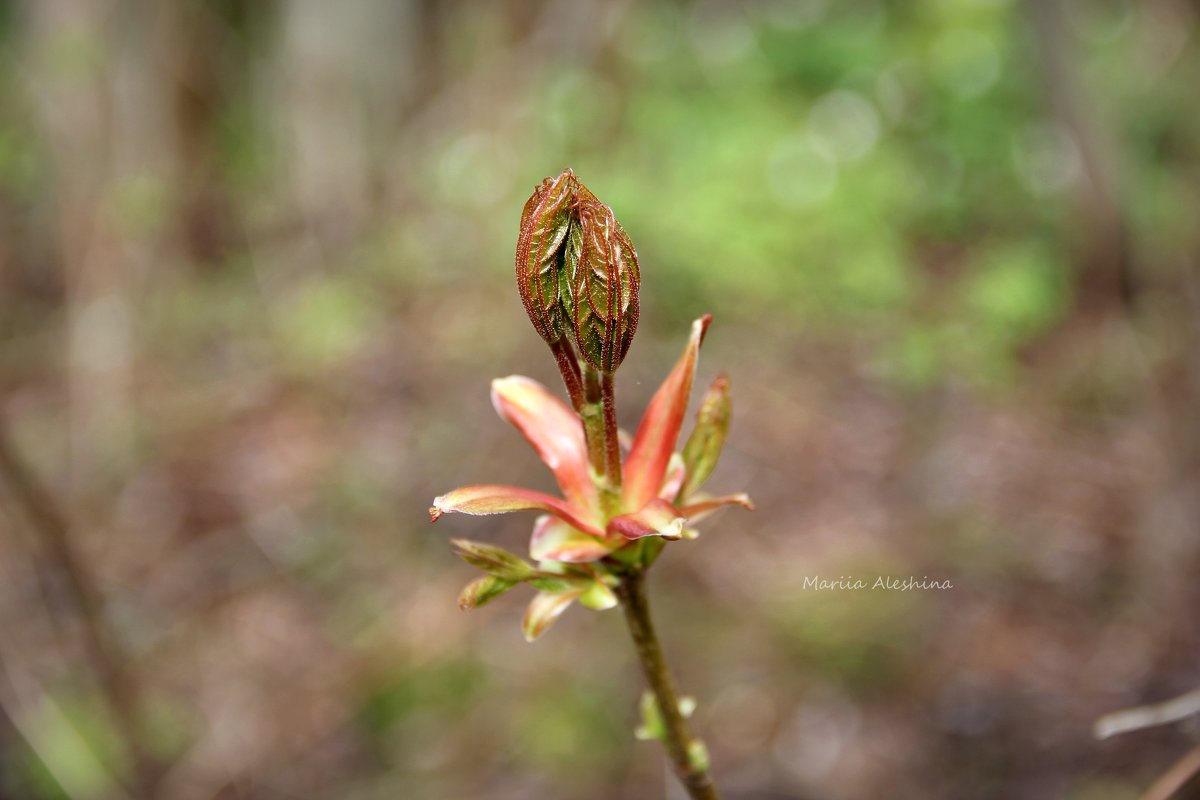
{"x": 569, "y": 367}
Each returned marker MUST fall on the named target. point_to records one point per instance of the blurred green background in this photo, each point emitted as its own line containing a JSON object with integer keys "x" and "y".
{"x": 256, "y": 276}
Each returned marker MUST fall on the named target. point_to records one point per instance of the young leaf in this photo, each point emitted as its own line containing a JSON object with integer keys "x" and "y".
{"x": 482, "y": 591}
{"x": 673, "y": 482}
{"x": 554, "y": 431}
{"x": 492, "y": 560}
{"x": 703, "y": 447}
{"x": 646, "y": 466}
{"x": 551, "y": 585}
{"x": 555, "y": 540}
{"x": 702, "y": 504}
{"x": 490, "y": 499}
{"x": 656, "y": 518}
{"x": 545, "y": 608}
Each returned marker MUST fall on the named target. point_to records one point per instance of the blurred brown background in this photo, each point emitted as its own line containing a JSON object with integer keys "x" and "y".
{"x": 255, "y": 278}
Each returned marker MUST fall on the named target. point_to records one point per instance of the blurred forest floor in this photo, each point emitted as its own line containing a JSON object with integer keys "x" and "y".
{"x": 255, "y": 278}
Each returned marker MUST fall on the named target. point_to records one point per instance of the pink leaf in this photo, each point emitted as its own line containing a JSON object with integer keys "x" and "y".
{"x": 503, "y": 499}
{"x": 656, "y": 435}
{"x": 676, "y": 472}
{"x": 553, "y": 429}
{"x": 656, "y": 518}
{"x": 706, "y": 505}
{"x": 555, "y": 540}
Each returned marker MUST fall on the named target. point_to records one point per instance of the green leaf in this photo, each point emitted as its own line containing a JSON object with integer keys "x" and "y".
{"x": 544, "y": 610}
{"x": 551, "y": 585}
{"x": 492, "y": 560}
{"x": 704, "y": 446}
{"x": 482, "y": 591}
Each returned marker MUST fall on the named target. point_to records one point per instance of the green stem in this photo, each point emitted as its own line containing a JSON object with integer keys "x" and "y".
{"x": 585, "y": 393}
{"x": 684, "y": 749}
{"x": 612, "y": 444}
{"x": 592, "y": 414}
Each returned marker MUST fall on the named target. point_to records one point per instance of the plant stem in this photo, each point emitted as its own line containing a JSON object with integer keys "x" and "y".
{"x": 592, "y": 414}
{"x": 682, "y": 747}
{"x": 585, "y": 400}
{"x": 570, "y": 372}
{"x": 611, "y": 443}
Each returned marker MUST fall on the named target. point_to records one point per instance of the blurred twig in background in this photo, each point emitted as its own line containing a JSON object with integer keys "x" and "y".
{"x": 1133, "y": 719}
{"x": 1180, "y": 775}
{"x": 1177, "y": 709}
{"x": 53, "y": 533}
{"x": 1103, "y": 241}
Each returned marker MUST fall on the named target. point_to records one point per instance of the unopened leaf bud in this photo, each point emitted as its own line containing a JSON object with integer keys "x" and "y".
{"x": 577, "y": 272}
{"x": 653, "y": 726}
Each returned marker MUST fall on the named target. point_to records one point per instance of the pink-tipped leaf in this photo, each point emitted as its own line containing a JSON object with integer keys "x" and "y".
{"x": 673, "y": 482}
{"x": 503, "y": 499}
{"x": 656, "y": 518}
{"x": 655, "y": 439}
{"x": 553, "y": 429}
{"x": 703, "y": 506}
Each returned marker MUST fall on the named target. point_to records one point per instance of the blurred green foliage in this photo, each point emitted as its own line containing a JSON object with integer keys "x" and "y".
{"x": 392, "y": 703}
{"x": 868, "y": 646}
{"x": 812, "y": 161}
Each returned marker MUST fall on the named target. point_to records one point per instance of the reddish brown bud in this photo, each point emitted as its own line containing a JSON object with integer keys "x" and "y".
{"x": 577, "y": 272}
{"x": 602, "y": 294}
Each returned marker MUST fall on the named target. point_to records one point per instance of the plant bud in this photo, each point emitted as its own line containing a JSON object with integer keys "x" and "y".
{"x": 577, "y": 272}
{"x": 546, "y": 223}
{"x": 703, "y": 447}
{"x": 601, "y": 299}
